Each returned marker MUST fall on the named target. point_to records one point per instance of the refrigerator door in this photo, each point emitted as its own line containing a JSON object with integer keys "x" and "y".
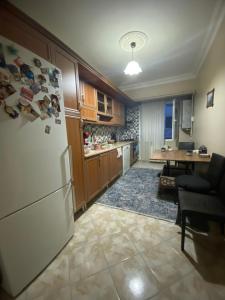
{"x": 32, "y": 237}
{"x": 34, "y": 158}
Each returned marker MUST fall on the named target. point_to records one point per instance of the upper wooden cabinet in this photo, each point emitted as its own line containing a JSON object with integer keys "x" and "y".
{"x": 68, "y": 65}
{"x": 95, "y": 106}
{"x": 15, "y": 29}
{"x": 88, "y": 102}
{"x": 87, "y": 95}
{"x": 118, "y": 113}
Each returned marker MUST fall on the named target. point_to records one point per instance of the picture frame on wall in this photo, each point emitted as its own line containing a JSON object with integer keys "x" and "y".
{"x": 210, "y": 98}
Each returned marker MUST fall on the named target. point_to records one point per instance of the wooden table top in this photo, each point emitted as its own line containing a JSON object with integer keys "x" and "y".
{"x": 178, "y": 155}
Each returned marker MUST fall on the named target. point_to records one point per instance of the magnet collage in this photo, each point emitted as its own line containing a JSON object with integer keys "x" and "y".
{"x": 28, "y": 90}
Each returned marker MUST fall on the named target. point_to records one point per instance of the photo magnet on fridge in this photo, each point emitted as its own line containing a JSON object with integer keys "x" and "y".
{"x": 41, "y": 79}
{"x": 27, "y": 110}
{"x": 44, "y": 89}
{"x": 6, "y": 89}
{"x": 4, "y": 76}
{"x": 47, "y": 129}
{"x": 53, "y": 77}
{"x": 11, "y": 112}
{"x": 44, "y": 107}
{"x": 58, "y": 121}
{"x": 44, "y": 70}
{"x": 35, "y": 87}
{"x": 37, "y": 62}
{"x": 27, "y": 93}
{"x": 12, "y": 50}
{"x": 55, "y": 103}
{"x": 25, "y": 70}
{"x": 14, "y": 71}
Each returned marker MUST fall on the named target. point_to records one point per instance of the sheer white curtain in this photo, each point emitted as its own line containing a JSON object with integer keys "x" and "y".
{"x": 152, "y": 128}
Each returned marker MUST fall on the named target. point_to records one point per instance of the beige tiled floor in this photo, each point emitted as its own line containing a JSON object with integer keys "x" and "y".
{"x": 122, "y": 255}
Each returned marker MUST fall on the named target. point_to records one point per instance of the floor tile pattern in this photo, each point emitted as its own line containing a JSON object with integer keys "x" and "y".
{"x": 119, "y": 255}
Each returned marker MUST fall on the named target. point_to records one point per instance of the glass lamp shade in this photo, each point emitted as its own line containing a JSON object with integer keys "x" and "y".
{"x": 132, "y": 68}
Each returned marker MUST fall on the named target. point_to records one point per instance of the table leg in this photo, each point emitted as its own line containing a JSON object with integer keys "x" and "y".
{"x": 168, "y": 167}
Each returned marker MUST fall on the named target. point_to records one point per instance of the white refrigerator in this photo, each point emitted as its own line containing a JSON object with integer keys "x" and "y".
{"x": 36, "y": 205}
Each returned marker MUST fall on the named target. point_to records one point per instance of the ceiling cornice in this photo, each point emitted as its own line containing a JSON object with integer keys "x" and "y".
{"x": 166, "y": 80}
{"x": 215, "y": 23}
{"x": 164, "y": 96}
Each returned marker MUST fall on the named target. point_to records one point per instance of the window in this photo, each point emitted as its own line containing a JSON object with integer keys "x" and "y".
{"x": 168, "y": 121}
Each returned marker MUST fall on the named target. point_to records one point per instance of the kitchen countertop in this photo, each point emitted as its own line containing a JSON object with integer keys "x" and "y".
{"x": 112, "y": 146}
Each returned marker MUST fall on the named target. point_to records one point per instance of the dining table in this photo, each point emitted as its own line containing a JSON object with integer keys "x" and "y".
{"x": 178, "y": 156}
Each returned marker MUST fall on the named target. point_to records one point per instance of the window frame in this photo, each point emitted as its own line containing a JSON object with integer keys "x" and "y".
{"x": 173, "y": 121}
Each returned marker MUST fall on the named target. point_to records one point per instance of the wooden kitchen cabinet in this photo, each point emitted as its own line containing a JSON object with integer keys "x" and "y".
{"x": 88, "y": 95}
{"x": 73, "y": 127}
{"x": 100, "y": 170}
{"x": 15, "y": 29}
{"x": 115, "y": 164}
{"x": 118, "y": 113}
{"x": 92, "y": 166}
{"x": 68, "y": 66}
{"x": 88, "y": 102}
{"x": 104, "y": 169}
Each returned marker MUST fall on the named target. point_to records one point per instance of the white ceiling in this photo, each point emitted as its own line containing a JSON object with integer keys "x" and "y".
{"x": 179, "y": 33}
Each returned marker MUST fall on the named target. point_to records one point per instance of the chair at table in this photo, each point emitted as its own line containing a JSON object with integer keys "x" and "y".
{"x": 188, "y": 146}
{"x": 208, "y": 207}
{"x": 199, "y": 184}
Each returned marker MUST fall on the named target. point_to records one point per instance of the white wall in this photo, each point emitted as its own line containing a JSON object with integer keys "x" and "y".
{"x": 209, "y": 125}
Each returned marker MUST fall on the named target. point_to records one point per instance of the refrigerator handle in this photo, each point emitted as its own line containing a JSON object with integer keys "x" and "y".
{"x": 71, "y": 163}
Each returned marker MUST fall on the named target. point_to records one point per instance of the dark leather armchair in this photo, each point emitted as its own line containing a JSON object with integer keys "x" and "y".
{"x": 199, "y": 184}
{"x": 208, "y": 207}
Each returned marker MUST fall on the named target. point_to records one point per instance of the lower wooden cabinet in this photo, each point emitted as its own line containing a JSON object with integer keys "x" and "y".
{"x": 104, "y": 169}
{"x": 100, "y": 170}
{"x": 92, "y": 182}
{"x": 115, "y": 164}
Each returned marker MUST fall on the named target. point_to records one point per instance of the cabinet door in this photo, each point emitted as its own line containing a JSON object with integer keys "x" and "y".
{"x": 68, "y": 66}
{"x": 121, "y": 114}
{"x": 116, "y": 109}
{"x": 92, "y": 177}
{"x": 118, "y": 113}
{"x": 18, "y": 31}
{"x": 88, "y": 95}
{"x": 104, "y": 169}
{"x": 74, "y": 140}
{"x": 115, "y": 165}
{"x": 88, "y": 114}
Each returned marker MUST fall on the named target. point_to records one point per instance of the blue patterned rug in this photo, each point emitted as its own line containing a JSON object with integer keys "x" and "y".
{"x": 137, "y": 191}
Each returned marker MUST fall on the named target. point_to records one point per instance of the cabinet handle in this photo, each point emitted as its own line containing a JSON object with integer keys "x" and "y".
{"x": 71, "y": 163}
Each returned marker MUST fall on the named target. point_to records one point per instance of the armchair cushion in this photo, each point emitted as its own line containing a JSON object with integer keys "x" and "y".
{"x": 193, "y": 183}
{"x": 209, "y": 205}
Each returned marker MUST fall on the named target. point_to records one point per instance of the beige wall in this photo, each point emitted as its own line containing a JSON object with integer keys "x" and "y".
{"x": 209, "y": 125}
{"x": 162, "y": 90}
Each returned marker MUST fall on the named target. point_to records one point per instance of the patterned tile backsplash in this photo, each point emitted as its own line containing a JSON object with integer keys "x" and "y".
{"x": 130, "y": 131}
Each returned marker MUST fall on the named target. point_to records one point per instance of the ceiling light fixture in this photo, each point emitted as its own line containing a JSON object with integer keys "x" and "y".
{"x": 132, "y": 67}
{"x": 133, "y": 41}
